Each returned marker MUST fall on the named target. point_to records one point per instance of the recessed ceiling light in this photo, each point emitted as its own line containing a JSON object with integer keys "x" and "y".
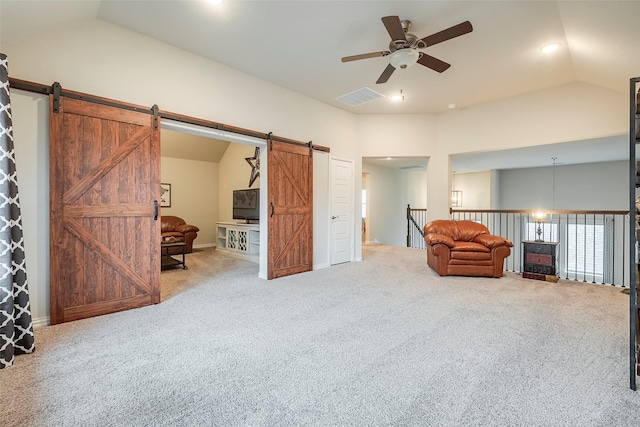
{"x": 216, "y": 2}
{"x": 398, "y": 97}
{"x": 550, "y": 47}
{"x": 388, "y": 158}
{"x": 451, "y": 106}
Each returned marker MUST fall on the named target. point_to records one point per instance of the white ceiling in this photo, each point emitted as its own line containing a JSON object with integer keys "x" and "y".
{"x": 590, "y": 151}
{"x": 187, "y": 146}
{"x": 298, "y": 44}
{"x": 418, "y": 164}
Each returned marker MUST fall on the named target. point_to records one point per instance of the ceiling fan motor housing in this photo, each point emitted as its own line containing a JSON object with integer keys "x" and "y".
{"x": 412, "y": 41}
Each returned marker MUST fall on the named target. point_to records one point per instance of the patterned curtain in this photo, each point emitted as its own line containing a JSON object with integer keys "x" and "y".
{"x": 16, "y": 328}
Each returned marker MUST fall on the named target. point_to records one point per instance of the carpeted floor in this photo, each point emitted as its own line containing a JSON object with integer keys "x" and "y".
{"x": 379, "y": 342}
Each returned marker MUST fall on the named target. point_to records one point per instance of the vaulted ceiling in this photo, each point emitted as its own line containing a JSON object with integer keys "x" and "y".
{"x": 298, "y": 44}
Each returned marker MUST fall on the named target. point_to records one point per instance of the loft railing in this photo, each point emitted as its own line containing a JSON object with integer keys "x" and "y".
{"x": 593, "y": 244}
{"x": 416, "y": 219}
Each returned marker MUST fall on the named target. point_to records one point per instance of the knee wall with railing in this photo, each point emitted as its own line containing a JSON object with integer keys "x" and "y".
{"x": 593, "y": 245}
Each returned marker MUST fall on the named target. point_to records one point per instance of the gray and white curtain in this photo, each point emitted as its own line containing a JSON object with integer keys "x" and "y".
{"x": 16, "y": 328}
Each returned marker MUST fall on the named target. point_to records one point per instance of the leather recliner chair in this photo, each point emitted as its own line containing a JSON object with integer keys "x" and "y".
{"x": 175, "y": 229}
{"x": 465, "y": 248}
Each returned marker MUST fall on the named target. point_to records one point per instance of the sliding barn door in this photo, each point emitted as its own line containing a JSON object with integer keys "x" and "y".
{"x": 290, "y": 180}
{"x": 104, "y": 180}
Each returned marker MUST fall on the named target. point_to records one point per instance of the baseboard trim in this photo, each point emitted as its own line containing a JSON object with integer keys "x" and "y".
{"x": 320, "y": 266}
{"x": 40, "y": 322}
{"x": 204, "y": 245}
{"x": 239, "y": 255}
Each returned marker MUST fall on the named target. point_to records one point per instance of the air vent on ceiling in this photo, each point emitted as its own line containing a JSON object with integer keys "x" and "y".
{"x": 359, "y": 97}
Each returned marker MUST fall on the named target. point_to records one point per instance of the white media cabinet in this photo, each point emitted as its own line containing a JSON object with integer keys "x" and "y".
{"x": 238, "y": 239}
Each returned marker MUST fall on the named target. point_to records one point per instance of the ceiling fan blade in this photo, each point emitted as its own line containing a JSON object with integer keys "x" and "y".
{"x": 394, "y": 27}
{"x": 386, "y": 74}
{"x": 365, "y": 56}
{"x": 433, "y": 63}
{"x": 449, "y": 33}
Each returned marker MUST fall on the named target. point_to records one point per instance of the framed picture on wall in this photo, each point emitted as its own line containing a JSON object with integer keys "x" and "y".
{"x": 165, "y": 195}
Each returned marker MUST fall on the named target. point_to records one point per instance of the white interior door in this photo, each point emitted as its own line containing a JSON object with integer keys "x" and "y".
{"x": 341, "y": 211}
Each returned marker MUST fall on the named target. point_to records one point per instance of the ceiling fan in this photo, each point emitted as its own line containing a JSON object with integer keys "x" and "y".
{"x": 403, "y": 48}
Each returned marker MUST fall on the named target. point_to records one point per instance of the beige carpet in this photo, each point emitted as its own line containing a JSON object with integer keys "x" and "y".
{"x": 383, "y": 342}
{"x": 201, "y": 265}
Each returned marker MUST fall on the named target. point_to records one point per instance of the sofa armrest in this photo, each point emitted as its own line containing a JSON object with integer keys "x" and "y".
{"x": 492, "y": 241}
{"x": 185, "y": 228}
{"x": 434, "y": 238}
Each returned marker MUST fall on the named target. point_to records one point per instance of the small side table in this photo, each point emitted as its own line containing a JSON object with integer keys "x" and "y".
{"x": 164, "y": 254}
{"x": 540, "y": 260}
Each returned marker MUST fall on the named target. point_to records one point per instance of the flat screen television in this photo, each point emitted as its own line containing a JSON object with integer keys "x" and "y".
{"x": 246, "y": 204}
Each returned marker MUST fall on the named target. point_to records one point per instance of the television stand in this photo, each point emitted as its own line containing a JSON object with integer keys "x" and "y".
{"x": 239, "y": 240}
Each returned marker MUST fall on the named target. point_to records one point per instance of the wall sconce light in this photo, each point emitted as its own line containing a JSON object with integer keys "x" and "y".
{"x": 539, "y": 217}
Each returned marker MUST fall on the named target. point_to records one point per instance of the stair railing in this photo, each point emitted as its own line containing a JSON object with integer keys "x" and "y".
{"x": 416, "y": 219}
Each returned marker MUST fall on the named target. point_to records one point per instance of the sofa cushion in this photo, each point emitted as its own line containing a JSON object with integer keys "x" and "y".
{"x": 469, "y": 230}
{"x": 460, "y": 246}
{"x": 172, "y": 234}
{"x": 169, "y": 223}
{"x": 491, "y": 241}
{"x": 185, "y": 228}
{"x": 433, "y": 239}
{"x": 471, "y": 258}
{"x": 457, "y": 230}
{"x": 441, "y": 226}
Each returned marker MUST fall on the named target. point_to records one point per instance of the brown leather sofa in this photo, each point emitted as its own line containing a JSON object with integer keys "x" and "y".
{"x": 465, "y": 248}
{"x": 175, "y": 229}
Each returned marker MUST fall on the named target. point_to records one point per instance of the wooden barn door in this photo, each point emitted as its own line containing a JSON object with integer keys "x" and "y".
{"x": 290, "y": 185}
{"x": 104, "y": 181}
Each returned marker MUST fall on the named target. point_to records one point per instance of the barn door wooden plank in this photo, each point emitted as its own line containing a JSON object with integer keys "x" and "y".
{"x": 104, "y": 178}
{"x": 290, "y": 224}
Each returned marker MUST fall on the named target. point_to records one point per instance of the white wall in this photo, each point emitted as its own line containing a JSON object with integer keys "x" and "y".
{"x": 416, "y": 188}
{"x": 100, "y": 58}
{"x": 194, "y": 195}
{"x": 31, "y": 138}
{"x": 387, "y": 210}
{"x": 591, "y": 186}
{"x": 564, "y": 113}
{"x": 569, "y": 112}
{"x": 476, "y": 189}
{"x": 321, "y": 209}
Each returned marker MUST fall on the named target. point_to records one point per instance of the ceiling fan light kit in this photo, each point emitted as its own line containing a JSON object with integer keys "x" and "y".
{"x": 403, "y": 49}
{"x": 404, "y": 58}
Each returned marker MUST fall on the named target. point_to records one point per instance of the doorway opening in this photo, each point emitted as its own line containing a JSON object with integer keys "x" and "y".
{"x": 366, "y": 194}
{"x": 209, "y": 195}
{"x": 391, "y": 183}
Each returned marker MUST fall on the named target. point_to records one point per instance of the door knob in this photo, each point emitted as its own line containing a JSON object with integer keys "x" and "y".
{"x": 334, "y": 217}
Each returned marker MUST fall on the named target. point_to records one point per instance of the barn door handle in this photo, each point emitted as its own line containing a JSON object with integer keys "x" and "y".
{"x": 272, "y": 209}
{"x": 155, "y": 210}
